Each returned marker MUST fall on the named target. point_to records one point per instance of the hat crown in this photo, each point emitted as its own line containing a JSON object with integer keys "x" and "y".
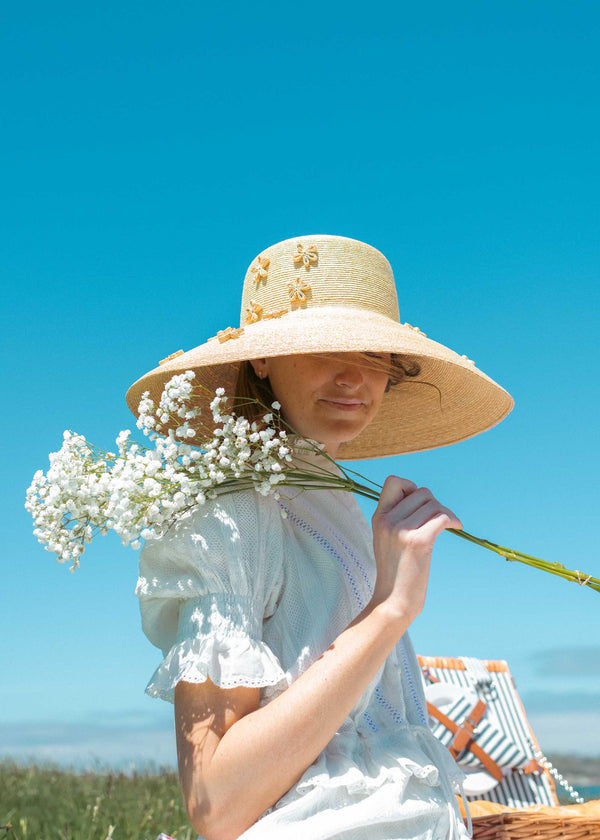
{"x": 314, "y": 271}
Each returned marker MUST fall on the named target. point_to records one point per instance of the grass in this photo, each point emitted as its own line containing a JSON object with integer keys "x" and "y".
{"x": 47, "y": 803}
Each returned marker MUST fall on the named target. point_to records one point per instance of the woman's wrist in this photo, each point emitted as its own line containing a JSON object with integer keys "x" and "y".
{"x": 393, "y": 615}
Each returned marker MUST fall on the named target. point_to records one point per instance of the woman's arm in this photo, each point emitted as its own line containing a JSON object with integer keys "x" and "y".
{"x": 235, "y": 759}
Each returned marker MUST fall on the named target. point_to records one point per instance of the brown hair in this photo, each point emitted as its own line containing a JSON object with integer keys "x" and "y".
{"x": 254, "y": 396}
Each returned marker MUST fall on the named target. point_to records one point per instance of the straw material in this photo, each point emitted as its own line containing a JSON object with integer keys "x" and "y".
{"x": 321, "y": 294}
{"x": 588, "y": 810}
{"x": 571, "y": 822}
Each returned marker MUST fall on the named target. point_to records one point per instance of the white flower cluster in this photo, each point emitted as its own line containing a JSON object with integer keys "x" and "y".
{"x": 141, "y": 491}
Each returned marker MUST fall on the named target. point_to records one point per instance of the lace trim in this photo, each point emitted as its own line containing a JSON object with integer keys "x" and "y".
{"x": 414, "y": 693}
{"x": 388, "y": 706}
{"x": 155, "y": 690}
{"x": 370, "y": 722}
{"x": 228, "y": 662}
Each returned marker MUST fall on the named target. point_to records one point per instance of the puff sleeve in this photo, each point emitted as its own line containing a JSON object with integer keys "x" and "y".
{"x": 205, "y": 589}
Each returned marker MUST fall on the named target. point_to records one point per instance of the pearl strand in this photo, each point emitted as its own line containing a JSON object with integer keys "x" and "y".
{"x": 558, "y": 777}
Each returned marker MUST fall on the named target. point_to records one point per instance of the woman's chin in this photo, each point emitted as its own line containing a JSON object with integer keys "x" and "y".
{"x": 333, "y": 441}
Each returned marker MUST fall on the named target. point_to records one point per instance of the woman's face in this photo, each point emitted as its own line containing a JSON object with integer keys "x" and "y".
{"x": 330, "y": 399}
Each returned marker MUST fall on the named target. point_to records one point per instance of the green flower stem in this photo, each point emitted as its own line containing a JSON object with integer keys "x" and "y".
{"x": 304, "y": 479}
{"x": 511, "y": 555}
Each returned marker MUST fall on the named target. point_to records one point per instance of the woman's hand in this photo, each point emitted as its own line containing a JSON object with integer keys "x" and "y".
{"x": 406, "y": 524}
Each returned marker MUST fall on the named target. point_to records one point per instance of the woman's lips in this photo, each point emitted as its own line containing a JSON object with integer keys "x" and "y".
{"x": 344, "y": 404}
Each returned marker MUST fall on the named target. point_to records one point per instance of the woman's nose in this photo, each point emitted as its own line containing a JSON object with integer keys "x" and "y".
{"x": 349, "y": 375}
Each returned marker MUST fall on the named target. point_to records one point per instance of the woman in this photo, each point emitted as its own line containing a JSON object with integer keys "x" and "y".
{"x": 298, "y": 705}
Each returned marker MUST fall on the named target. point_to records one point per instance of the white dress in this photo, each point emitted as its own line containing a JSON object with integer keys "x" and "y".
{"x": 240, "y": 594}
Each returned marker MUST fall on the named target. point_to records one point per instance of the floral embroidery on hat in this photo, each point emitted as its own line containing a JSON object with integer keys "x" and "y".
{"x": 172, "y": 356}
{"x": 297, "y": 290}
{"x": 416, "y": 329}
{"x": 307, "y": 256}
{"x": 253, "y": 312}
{"x": 229, "y": 333}
{"x": 466, "y": 358}
{"x": 259, "y": 269}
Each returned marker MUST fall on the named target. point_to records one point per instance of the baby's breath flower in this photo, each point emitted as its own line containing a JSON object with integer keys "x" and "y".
{"x": 140, "y": 490}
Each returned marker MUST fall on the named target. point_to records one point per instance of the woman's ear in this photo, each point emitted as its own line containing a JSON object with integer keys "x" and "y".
{"x": 259, "y": 367}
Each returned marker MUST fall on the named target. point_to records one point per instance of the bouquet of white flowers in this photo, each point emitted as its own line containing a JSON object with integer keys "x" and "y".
{"x": 140, "y": 491}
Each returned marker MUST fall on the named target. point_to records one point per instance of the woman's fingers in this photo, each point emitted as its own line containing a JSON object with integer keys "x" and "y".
{"x": 406, "y": 509}
{"x": 416, "y": 509}
{"x": 406, "y": 524}
{"x": 395, "y": 489}
{"x": 403, "y": 499}
{"x": 433, "y": 512}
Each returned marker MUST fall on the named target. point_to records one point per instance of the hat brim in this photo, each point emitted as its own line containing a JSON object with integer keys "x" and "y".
{"x": 450, "y": 400}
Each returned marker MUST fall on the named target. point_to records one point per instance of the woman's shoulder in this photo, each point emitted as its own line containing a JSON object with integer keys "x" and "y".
{"x": 233, "y": 512}
{"x": 232, "y": 530}
{"x": 229, "y": 544}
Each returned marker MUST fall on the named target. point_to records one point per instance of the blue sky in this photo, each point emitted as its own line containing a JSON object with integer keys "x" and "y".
{"x": 150, "y": 151}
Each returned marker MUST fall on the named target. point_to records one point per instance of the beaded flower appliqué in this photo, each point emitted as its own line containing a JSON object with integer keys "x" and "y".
{"x": 416, "y": 329}
{"x": 253, "y": 312}
{"x": 305, "y": 256}
{"x": 297, "y": 290}
{"x": 260, "y": 269}
{"x": 172, "y": 356}
{"x": 278, "y": 314}
{"x": 229, "y": 333}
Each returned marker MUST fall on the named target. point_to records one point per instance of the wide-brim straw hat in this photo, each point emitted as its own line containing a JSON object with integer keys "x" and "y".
{"x": 329, "y": 294}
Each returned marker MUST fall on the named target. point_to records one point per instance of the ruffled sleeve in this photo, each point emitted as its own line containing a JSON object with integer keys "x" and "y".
{"x": 205, "y": 589}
